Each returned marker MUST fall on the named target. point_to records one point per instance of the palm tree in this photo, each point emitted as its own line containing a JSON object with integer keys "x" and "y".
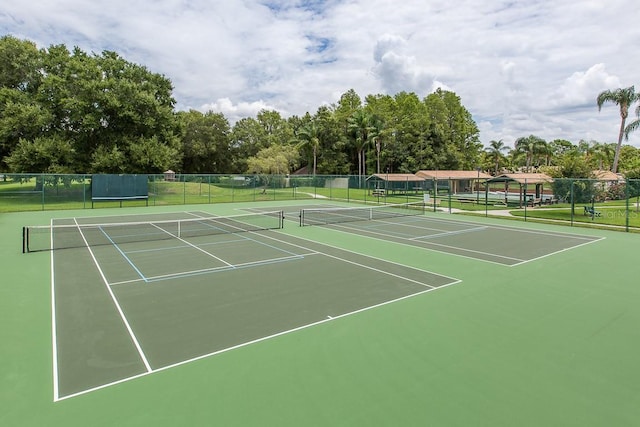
{"x": 532, "y": 146}
{"x": 602, "y": 154}
{"x": 378, "y": 127}
{"x": 634, "y": 125}
{"x": 495, "y": 150}
{"x": 310, "y": 135}
{"x": 362, "y": 130}
{"x": 624, "y": 98}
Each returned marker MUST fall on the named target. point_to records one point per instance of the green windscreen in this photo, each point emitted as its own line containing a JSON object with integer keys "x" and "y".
{"x": 119, "y": 186}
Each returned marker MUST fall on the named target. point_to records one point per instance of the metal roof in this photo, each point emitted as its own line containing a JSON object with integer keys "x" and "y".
{"x": 453, "y": 174}
{"x": 523, "y": 178}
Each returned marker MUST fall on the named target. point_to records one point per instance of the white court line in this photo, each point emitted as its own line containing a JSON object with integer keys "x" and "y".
{"x": 115, "y": 301}
{"x": 362, "y": 265}
{"x": 215, "y": 269}
{"x": 521, "y": 230}
{"x": 448, "y": 233}
{"x": 560, "y": 251}
{"x": 131, "y": 263}
{"x": 429, "y": 288}
{"x": 278, "y": 334}
{"x": 193, "y": 246}
{"x": 430, "y": 243}
{"x": 54, "y": 336}
{"x": 172, "y": 248}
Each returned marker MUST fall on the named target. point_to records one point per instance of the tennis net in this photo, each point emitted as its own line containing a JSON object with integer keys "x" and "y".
{"x": 52, "y": 237}
{"x": 319, "y": 216}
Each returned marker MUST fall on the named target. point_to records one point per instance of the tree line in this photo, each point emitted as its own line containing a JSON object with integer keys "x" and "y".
{"x": 68, "y": 111}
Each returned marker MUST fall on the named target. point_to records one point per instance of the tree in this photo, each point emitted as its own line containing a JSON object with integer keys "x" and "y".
{"x": 573, "y": 165}
{"x": 309, "y": 135}
{"x": 634, "y": 125}
{"x": 602, "y": 154}
{"x": 332, "y": 153}
{"x": 205, "y": 142}
{"x": 248, "y": 137}
{"x": 19, "y": 64}
{"x": 276, "y": 129}
{"x": 376, "y": 139}
{"x": 532, "y": 147}
{"x": 42, "y": 155}
{"x": 462, "y": 146}
{"x": 623, "y": 98}
{"x": 495, "y": 150}
{"x": 629, "y": 159}
{"x": 362, "y": 130}
{"x": 21, "y": 117}
{"x": 410, "y": 147}
{"x": 101, "y": 105}
{"x": 277, "y": 159}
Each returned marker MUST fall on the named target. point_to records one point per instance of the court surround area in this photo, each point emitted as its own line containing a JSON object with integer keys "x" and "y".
{"x": 384, "y": 317}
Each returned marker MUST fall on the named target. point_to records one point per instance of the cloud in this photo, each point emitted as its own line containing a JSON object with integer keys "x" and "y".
{"x": 582, "y": 88}
{"x": 524, "y": 67}
{"x": 397, "y": 70}
{"x": 234, "y": 112}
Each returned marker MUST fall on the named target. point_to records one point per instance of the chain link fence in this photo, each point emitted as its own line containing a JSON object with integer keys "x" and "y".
{"x": 611, "y": 204}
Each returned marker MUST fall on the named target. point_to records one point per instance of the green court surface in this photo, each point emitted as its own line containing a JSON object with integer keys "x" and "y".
{"x": 428, "y": 319}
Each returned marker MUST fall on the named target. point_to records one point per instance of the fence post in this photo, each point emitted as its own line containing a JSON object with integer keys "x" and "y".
{"x": 627, "y": 196}
{"x": 42, "y": 177}
{"x": 571, "y": 201}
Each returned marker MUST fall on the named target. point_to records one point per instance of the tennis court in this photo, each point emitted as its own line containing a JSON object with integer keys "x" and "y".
{"x": 134, "y": 296}
{"x": 406, "y": 224}
{"x": 234, "y": 314}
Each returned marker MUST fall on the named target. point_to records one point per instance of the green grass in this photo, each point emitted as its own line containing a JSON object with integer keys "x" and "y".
{"x": 22, "y": 197}
{"x": 610, "y": 215}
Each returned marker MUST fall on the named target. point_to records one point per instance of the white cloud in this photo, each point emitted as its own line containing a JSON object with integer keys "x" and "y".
{"x": 582, "y": 88}
{"x": 234, "y": 112}
{"x": 398, "y": 70}
{"x": 522, "y": 67}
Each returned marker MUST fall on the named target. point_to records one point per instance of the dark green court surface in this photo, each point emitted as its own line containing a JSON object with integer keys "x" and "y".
{"x": 128, "y": 309}
{"x": 498, "y": 244}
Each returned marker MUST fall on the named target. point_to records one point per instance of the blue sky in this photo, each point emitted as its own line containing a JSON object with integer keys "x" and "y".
{"x": 520, "y": 67}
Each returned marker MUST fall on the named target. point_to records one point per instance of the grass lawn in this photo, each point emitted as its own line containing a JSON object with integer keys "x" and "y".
{"x": 610, "y": 215}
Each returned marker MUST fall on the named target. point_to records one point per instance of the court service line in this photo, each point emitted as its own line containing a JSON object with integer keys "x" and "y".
{"x": 216, "y": 269}
{"x": 448, "y": 233}
{"x": 362, "y": 265}
{"x": 193, "y": 246}
{"x": 115, "y": 301}
{"x": 123, "y": 254}
{"x": 227, "y": 268}
{"x": 560, "y": 251}
{"x": 171, "y": 248}
{"x": 243, "y": 235}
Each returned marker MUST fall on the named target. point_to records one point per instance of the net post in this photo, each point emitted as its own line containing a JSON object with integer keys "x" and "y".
{"x": 25, "y": 240}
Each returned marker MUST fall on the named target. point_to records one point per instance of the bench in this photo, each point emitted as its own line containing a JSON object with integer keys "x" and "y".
{"x": 589, "y": 211}
{"x": 535, "y": 201}
{"x": 466, "y": 200}
{"x": 380, "y": 192}
{"x": 118, "y": 199}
